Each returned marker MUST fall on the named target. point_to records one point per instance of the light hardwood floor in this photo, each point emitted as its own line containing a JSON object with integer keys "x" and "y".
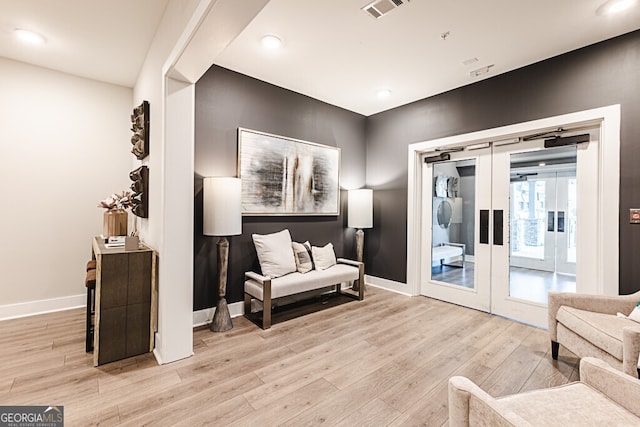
{"x": 383, "y": 361}
{"x": 524, "y": 283}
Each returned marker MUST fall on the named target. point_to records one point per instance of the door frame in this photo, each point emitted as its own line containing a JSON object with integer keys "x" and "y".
{"x": 604, "y": 275}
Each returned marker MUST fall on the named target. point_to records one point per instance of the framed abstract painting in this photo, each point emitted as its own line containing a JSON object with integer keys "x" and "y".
{"x": 285, "y": 176}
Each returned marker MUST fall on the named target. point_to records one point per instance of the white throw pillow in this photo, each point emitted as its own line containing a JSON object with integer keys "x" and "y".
{"x": 275, "y": 253}
{"x": 324, "y": 257}
{"x": 303, "y": 257}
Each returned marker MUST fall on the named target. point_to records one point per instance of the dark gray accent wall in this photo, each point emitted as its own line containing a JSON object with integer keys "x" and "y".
{"x": 226, "y": 100}
{"x": 599, "y": 75}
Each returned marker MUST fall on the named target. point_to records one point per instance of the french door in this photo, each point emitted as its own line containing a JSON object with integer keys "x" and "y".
{"x": 460, "y": 182}
{"x": 514, "y": 211}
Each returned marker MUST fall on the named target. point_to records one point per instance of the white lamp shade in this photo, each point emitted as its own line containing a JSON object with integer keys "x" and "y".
{"x": 222, "y": 206}
{"x": 360, "y": 208}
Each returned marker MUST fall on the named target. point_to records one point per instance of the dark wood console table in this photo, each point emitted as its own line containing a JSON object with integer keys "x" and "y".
{"x": 125, "y": 302}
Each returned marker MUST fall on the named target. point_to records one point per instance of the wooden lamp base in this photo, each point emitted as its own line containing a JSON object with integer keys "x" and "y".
{"x": 221, "y": 318}
{"x": 360, "y": 255}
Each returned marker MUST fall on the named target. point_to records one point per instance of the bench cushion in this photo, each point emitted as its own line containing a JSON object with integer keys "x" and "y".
{"x": 294, "y": 283}
{"x": 602, "y": 330}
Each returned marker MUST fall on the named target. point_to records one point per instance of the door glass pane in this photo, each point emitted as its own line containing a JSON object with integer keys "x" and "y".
{"x": 542, "y": 213}
{"x": 453, "y": 225}
{"x": 529, "y": 219}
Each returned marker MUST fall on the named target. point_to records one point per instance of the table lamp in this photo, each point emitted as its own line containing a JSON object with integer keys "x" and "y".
{"x": 222, "y": 217}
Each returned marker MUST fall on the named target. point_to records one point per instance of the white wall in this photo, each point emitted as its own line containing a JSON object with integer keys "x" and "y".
{"x": 190, "y": 35}
{"x": 149, "y": 86}
{"x": 64, "y": 146}
{"x": 170, "y": 216}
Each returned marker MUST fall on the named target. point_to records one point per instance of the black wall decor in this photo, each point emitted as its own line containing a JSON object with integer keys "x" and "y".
{"x": 140, "y": 188}
{"x": 140, "y": 129}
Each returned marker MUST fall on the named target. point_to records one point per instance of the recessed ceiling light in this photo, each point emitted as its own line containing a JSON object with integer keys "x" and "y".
{"x": 542, "y": 164}
{"x": 29, "y": 37}
{"x": 611, "y": 7}
{"x": 384, "y": 93}
{"x": 271, "y": 42}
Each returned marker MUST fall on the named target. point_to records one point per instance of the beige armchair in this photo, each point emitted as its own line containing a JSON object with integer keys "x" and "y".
{"x": 603, "y": 397}
{"x": 587, "y": 326}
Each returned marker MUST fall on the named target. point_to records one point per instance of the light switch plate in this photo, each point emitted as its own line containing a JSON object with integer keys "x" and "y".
{"x": 634, "y": 216}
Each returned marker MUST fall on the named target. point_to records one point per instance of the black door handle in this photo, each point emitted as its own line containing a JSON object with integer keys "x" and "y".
{"x": 484, "y": 226}
{"x": 560, "y": 222}
{"x": 497, "y": 227}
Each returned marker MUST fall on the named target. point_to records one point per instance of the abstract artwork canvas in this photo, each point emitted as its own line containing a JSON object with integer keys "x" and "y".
{"x": 285, "y": 176}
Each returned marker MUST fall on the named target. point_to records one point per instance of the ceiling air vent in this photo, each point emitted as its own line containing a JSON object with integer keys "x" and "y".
{"x": 379, "y": 8}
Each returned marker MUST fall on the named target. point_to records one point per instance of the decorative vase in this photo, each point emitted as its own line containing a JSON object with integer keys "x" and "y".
{"x": 115, "y": 223}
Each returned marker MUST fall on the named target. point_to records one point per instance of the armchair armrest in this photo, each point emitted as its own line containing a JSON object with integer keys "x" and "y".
{"x": 616, "y": 385}
{"x": 608, "y": 304}
{"x": 469, "y": 404}
{"x": 630, "y": 350}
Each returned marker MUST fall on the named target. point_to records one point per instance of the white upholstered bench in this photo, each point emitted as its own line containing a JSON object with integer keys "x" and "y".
{"x": 448, "y": 250}
{"x": 265, "y": 289}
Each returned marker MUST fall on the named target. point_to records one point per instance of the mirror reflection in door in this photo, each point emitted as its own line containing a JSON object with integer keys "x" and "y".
{"x": 453, "y": 227}
{"x": 542, "y": 224}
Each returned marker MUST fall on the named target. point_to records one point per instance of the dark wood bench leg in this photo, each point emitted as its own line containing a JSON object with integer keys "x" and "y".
{"x": 554, "y": 349}
{"x": 266, "y": 305}
{"x": 266, "y": 314}
{"x": 247, "y": 304}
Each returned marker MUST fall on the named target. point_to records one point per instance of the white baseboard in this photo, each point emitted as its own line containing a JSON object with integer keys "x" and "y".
{"x": 389, "y": 285}
{"x": 204, "y": 317}
{"x": 200, "y": 317}
{"x": 31, "y": 308}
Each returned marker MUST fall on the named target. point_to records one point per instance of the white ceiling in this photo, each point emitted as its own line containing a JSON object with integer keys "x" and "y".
{"x": 332, "y": 50}
{"x": 104, "y": 40}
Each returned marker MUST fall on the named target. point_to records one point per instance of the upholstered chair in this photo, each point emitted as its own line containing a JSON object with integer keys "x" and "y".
{"x": 603, "y": 397}
{"x": 588, "y": 325}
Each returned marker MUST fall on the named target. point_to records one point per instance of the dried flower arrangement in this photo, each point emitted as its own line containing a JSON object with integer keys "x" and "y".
{"x": 117, "y": 201}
